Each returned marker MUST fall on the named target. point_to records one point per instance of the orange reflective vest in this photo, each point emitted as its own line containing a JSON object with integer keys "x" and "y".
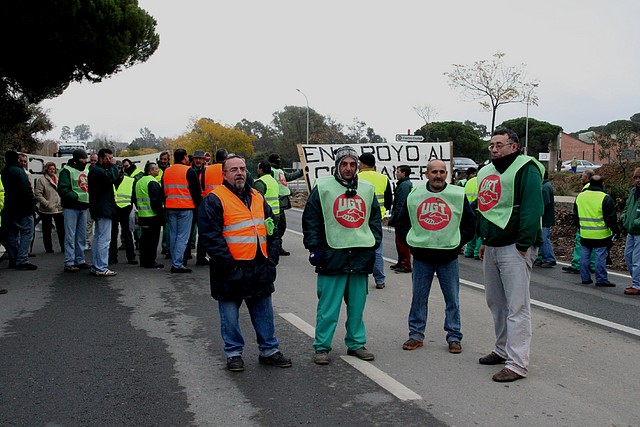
{"x": 176, "y": 188}
{"x": 212, "y": 178}
{"x": 243, "y": 229}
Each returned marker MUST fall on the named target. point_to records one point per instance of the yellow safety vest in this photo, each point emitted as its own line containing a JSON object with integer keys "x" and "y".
{"x": 143, "y": 202}
{"x": 124, "y": 192}
{"x": 471, "y": 189}
{"x": 379, "y": 182}
{"x": 590, "y": 216}
{"x": 271, "y": 195}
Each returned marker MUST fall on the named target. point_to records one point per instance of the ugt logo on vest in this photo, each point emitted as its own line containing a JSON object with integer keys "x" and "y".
{"x": 434, "y": 214}
{"x": 489, "y": 192}
{"x": 83, "y": 182}
{"x": 350, "y": 212}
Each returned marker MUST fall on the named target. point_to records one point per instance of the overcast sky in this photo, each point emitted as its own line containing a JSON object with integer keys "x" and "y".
{"x": 373, "y": 60}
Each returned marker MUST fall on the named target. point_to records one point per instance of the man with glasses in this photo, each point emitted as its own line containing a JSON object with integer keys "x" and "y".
{"x": 510, "y": 207}
{"x": 237, "y": 230}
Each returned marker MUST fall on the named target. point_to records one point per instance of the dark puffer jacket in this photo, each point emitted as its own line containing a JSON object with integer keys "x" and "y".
{"x": 338, "y": 261}
{"x": 233, "y": 280}
{"x": 19, "y": 200}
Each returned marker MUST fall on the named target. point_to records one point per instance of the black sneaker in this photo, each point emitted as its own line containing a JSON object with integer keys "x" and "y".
{"x": 180, "y": 270}
{"x": 132, "y": 262}
{"x": 155, "y": 265}
{"x": 284, "y": 253}
{"x": 571, "y": 270}
{"x": 548, "y": 264}
{"x": 26, "y": 266}
{"x": 235, "y": 364}
{"x": 276, "y": 359}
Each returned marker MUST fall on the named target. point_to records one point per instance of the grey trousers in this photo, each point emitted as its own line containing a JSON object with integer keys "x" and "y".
{"x": 507, "y": 275}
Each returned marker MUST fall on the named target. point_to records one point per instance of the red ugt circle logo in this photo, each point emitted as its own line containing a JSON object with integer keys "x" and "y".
{"x": 350, "y": 212}
{"x": 434, "y": 214}
{"x": 489, "y": 192}
{"x": 83, "y": 182}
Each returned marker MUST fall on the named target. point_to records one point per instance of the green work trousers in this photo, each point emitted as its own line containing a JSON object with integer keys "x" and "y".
{"x": 331, "y": 291}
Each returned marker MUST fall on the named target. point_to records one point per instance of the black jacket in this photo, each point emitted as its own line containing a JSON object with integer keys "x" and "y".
{"x": 338, "y": 261}
{"x": 19, "y": 200}
{"x": 102, "y": 203}
{"x": 438, "y": 256}
{"x": 233, "y": 280}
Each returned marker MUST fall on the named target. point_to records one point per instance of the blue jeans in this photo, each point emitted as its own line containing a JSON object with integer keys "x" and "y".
{"x": 378, "y": 266}
{"x": 601, "y": 263}
{"x": 101, "y": 242}
{"x": 422, "y": 277}
{"x": 19, "y": 236}
{"x": 75, "y": 236}
{"x": 632, "y": 258}
{"x": 261, "y": 312}
{"x": 179, "y": 222}
{"x": 546, "y": 250}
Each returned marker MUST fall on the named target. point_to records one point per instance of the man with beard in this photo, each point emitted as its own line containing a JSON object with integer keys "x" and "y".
{"x": 238, "y": 232}
{"x": 510, "y": 208}
{"x": 342, "y": 229}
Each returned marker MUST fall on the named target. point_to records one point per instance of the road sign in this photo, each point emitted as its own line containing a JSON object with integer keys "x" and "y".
{"x": 207, "y": 157}
{"x": 544, "y": 157}
{"x": 409, "y": 138}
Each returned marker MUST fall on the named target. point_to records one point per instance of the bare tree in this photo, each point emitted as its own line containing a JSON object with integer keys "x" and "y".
{"x": 426, "y": 112}
{"x": 495, "y": 80}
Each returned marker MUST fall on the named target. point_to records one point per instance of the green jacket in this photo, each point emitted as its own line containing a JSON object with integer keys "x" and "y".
{"x": 524, "y": 227}
{"x": 631, "y": 212}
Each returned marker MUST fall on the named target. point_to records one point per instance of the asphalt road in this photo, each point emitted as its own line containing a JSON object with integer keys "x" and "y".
{"x": 143, "y": 348}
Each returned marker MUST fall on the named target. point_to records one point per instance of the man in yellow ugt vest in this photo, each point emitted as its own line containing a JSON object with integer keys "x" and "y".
{"x": 384, "y": 196}
{"x": 595, "y": 213}
{"x": 149, "y": 199}
{"x": 236, "y": 227}
{"x": 268, "y": 187}
{"x": 575, "y": 261}
{"x": 123, "y": 192}
{"x": 510, "y": 208}
{"x": 435, "y": 222}
{"x": 342, "y": 228}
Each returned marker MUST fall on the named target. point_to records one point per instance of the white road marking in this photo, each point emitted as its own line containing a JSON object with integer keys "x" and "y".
{"x": 366, "y": 368}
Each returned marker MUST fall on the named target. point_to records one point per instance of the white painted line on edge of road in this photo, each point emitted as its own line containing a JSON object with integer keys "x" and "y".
{"x": 366, "y": 368}
{"x": 566, "y": 311}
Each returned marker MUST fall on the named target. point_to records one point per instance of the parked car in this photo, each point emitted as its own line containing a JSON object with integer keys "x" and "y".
{"x": 582, "y": 165}
{"x": 461, "y": 164}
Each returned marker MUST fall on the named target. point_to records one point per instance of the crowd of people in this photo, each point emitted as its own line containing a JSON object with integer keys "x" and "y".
{"x": 500, "y": 214}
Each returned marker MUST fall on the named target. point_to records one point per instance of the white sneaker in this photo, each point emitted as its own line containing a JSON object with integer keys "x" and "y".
{"x": 107, "y": 272}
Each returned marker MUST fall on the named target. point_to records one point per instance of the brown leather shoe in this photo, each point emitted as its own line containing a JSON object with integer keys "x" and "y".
{"x": 506, "y": 376}
{"x": 455, "y": 347}
{"x": 491, "y": 359}
{"x": 632, "y": 291}
{"x": 412, "y": 344}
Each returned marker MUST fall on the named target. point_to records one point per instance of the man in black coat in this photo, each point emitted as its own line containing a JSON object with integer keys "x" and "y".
{"x": 17, "y": 215}
{"x": 237, "y": 229}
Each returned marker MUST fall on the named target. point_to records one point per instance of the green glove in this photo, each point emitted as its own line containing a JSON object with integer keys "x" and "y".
{"x": 270, "y": 226}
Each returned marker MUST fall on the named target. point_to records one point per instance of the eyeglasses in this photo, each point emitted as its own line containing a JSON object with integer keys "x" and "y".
{"x": 499, "y": 145}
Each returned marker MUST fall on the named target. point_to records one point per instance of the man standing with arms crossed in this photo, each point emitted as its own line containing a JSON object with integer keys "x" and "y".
{"x": 510, "y": 207}
{"x": 342, "y": 228}
{"x": 435, "y": 222}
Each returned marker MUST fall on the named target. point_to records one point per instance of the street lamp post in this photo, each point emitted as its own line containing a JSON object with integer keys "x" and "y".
{"x": 306, "y": 99}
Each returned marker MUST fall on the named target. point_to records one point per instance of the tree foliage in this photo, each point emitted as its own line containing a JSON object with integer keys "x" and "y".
{"x": 542, "y": 135}
{"x": 426, "y": 112}
{"x": 619, "y": 142}
{"x": 48, "y": 44}
{"x": 466, "y": 142}
{"x": 493, "y": 83}
{"x": 22, "y": 136}
{"x": 146, "y": 140}
{"x": 635, "y": 118}
{"x": 208, "y": 135}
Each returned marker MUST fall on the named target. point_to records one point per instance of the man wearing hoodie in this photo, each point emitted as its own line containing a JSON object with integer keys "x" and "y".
{"x": 73, "y": 189}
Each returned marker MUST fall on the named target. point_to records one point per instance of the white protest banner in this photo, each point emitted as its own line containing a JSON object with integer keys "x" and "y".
{"x": 37, "y": 162}
{"x": 318, "y": 159}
